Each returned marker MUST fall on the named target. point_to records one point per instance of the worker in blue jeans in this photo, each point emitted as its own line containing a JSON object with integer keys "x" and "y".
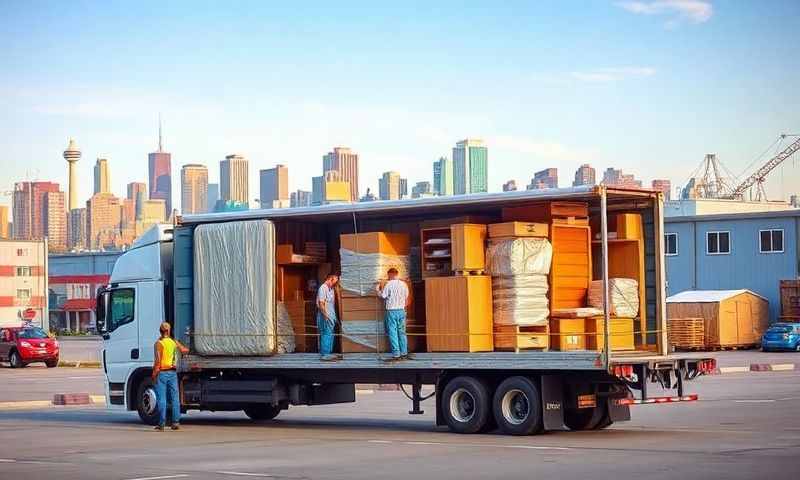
{"x": 326, "y": 317}
{"x": 395, "y": 293}
{"x": 165, "y": 377}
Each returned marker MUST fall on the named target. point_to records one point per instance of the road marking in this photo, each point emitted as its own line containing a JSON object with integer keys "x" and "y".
{"x": 482, "y": 445}
{"x": 734, "y": 369}
{"x": 777, "y": 367}
{"x": 424, "y": 443}
{"x": 246, "y": 474}
{"x": 25, "y": 404}
{"x": 379, "y": 441}
{"x": 164, "y": 477}
{"x": 365, "y": 392}
{"x": 7, "y": 460}
{"x": 753, "y": 401}
{"x": 82, "y": 378}
{"x": 98, "y": 399}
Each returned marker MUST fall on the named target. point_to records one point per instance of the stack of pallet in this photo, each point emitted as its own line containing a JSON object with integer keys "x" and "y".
{"x": 365, "y": 260}
{"x": 518, "y": 259}
{"x": 686, "y": 333}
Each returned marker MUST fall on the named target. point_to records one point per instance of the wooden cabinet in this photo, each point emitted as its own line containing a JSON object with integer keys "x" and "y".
{"x": 437, "y": 252}
{"x": 567, "y": 334}
{"x": 458, "y": 313}
{"x": 620, "y": 332}
{"x": 546, "y": 211}
{"x": 571, "y": 269}
{"x": 518, "y": 229}
{"x": 468, "y": 246}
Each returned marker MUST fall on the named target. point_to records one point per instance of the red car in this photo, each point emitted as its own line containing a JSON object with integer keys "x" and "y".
{"x": 20, "y": 346}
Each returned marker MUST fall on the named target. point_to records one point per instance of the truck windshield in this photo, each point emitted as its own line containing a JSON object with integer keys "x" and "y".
{"x": 32, "y": 333}
{"x": 121, "y": 311}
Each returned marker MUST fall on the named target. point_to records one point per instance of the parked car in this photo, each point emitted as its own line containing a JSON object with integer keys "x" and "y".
{"x": 781, "y": 336}
{"x": 20, "y": 346}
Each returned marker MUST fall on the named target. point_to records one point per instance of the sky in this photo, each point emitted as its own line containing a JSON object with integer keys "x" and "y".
{"x": 646, "y": 86}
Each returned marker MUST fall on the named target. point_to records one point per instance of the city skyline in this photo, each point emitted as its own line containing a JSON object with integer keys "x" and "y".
{"x": 110, "y": 105}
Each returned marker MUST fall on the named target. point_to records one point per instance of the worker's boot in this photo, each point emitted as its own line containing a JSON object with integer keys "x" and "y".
{"x": 175, "y": 426}
{"x": 159, "y": 428}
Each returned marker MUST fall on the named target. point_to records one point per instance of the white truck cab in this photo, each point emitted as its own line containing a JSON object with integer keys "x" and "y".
{"x": 129, "y": 311}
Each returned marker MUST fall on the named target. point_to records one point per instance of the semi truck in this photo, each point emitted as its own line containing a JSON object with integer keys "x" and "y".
{"x": 518, "y": 392}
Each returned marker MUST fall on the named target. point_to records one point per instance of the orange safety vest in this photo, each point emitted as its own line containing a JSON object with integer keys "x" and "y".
{"x": 168, "y": 347}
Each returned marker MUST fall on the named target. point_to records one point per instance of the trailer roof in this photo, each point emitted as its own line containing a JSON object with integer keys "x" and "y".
{"x": 585, "y": 192}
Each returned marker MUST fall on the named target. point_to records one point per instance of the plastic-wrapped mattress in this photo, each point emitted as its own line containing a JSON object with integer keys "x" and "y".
{"x": 519, "y": 256}
{"x": 233, "y": 288}
{"x": 361, "y": 271}
{"x": 520, "y": 300}
{"x": 623, "y": 296}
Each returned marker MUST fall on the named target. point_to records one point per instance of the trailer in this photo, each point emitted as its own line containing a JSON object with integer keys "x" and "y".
{"x": 520, "y": 392}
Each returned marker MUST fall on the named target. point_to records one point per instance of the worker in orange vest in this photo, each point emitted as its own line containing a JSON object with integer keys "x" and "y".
{"x": 165, "y": 377}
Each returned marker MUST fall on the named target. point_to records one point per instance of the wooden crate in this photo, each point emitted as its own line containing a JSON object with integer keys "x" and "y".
{"x": 621, "y": 334}
{"x": 545, "y": 211}
{"x": 302, "y": 314}
{"x": 376, "y": 242}
{"x": 518, "y": 229}
{"x": 686, "y": 333}
{"x": 567, "y": 334}
{"x": 468, "y": 246}
{"x": 458, "y": 313}
{"x": 516, "y": 338}
{"x": 790, "y": 298}
{"x": 571, "y": 269}
{"x": 629, "y": 226}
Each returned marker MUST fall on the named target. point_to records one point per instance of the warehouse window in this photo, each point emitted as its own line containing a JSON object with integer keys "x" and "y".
{"x": 24, "y": 271}
{"x": 671, "y": 244}
{"x": 718, "y": 243}
{"x": 24, "y": 294}
{"x": 771, "y": 241}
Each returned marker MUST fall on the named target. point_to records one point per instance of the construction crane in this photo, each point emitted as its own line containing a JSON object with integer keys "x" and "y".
{"x": 760, "y": 175}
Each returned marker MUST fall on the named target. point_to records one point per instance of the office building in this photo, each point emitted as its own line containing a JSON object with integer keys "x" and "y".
{"x": 584, "y": 175}
{"x": 137, "y": 193}
{"x": 160, "y": 175}
{"x": 300, "y": 198}
{"x": 103, "y": 217}
{"x": 55, "y": 221}
{"x": 4, "y": 225}
{"x": 510, "y": 186}
{"x": 274, "y": 187}
{"x": 344, "y": 161}
{"x": 28, "y": 209}
{"x": 24, "y": 289}
{"x": 615, "y": 178}
{"x": 470, "y": 167}
{"x": 102, "y": 178}
{"x": 194, "y": 188}
{"x": 663, "y": 186}
{"x": 421, "y": 190}
{"x": 213, "y": 196}
{"x": 403, "y": 187}
{"x": 76, "y": 229}
{"x": 547, "y": 178}
{"x": 233, "y": 180}
{"x": 329, "y": 188}
{"x": 389, "y": 186}
{"x": 72, "y": 154}
{"x": 443, "y": 176}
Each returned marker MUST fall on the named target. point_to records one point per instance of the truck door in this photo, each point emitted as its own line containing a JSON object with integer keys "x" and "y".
{"x": 121, "y": 332}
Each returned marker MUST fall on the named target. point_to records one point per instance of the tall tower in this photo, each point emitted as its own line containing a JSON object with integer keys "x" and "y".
{"x": 102, "y": 179}
{"x": 470, "y": 167}
{"x": 344, "y": 161}
{"x": 72, "y": 155}
{"x": 160, "y": 169}
{"x": 233, "y": 180}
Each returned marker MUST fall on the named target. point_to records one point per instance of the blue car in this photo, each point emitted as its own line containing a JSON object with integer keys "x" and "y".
{"x": 781, "y": 336}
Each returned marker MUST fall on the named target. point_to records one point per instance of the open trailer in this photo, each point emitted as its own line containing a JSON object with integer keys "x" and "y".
{"x": 522, "y": 391}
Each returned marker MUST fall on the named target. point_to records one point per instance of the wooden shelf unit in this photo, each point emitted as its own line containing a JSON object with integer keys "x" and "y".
{"x": 432, "y": 239}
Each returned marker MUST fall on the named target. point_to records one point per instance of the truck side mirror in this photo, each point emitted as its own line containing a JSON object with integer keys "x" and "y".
{"x": 101, "y": 310}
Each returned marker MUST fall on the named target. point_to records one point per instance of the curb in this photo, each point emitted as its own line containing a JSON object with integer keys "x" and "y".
{"x": 758, "y": 367}
{"x": 79, "y": 364}
{"x": 59, "y": 400}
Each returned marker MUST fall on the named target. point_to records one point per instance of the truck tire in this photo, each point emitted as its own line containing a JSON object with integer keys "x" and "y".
{"x": 466, "y": 405}
{"x": 517, "y": 406}
{"x": 15, "y": 360}
{"x": 262, "y": 412}
{"x": 146, "y": 400}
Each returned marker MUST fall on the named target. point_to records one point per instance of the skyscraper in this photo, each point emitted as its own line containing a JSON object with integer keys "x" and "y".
{"x": 76, "y": 225}
{"x": 300, "y": 198}
{"x": 615, "y": 178}
{"x": 102, "y": 177}
{"x": 103, "y": 215}
{"x": 662, "y": 185}
{"x": 213, "y": 196}
{"x": 470, "y": 167}
{"x": 72, "y": 155}
{"x": 55, "y": 221}
{"x": 233, "y": 179}
{"x": 389, "y": 186}
{"x": 4, "y": 233}
{"x": 443, "y": 176}
{"x": 345, "y": 162}
{"x": 584, "y": 175}
{"x": 194, "y": 188}
{"x": 274, "y": 187}
{"x": 28, "y": 209}
{"x": 510, "y": 186}
{"x": 422, "y": 189}
{"x": 137, "y": 193}
{"x": 403, "y": 187}
{"x": 160, "y": 169}
{"x": 547, "y": 178}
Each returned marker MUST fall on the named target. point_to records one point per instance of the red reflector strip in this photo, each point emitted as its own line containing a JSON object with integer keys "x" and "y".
{"x": 635, "y": 401}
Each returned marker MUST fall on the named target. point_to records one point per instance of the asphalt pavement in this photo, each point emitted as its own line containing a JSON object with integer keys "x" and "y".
{"x": 745, "y": 426}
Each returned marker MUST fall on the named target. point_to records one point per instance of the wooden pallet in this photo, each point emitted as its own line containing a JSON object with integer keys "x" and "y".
{"x": 515, "y": 338}
{"x": 686, "y": 333}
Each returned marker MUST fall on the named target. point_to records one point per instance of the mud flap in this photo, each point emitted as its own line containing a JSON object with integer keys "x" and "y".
{"x": 618, "y": 413}
{"x": 553, "y": 402}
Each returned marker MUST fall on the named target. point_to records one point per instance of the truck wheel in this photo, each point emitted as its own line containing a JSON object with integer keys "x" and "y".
{"x": 517, "y": 406}
{"x": 262, "y": 412}
{"x": 465, "y": 404}
{"x": 147, "y": 403}
{"x": 584, "y": 418}
{"x": 15, "y": 360}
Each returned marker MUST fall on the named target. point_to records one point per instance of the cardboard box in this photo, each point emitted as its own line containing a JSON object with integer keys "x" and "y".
{"x": 518, "y": 229}
{"x": 458, "y": 313}
{"x": 376, "y": 242}
{"x": 567, "y": 334}
{"x": 468, "y": 247}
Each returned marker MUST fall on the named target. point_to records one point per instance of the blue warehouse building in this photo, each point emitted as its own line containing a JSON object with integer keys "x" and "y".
{"x": 733, "y": 251}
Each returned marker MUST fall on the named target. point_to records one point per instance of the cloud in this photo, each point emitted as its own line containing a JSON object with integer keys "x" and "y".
{"x": 546, "y": 149}
{"x": 613, "y": 74}
{"x": 695, "y": 11}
